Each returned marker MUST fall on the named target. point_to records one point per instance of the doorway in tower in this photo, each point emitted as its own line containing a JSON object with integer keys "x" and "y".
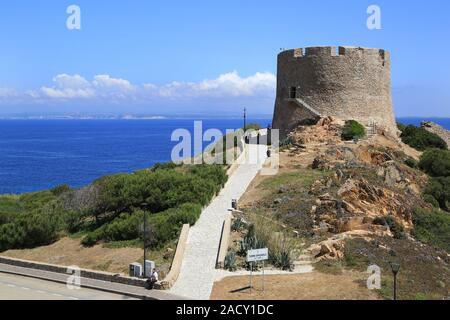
{"x": 293, "y": 93}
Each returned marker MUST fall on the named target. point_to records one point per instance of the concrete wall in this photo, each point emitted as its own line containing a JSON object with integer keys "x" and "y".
{"x": 224, "y": 242}
{"x": 345, "y": 82}
{"x": 175, "y": 269}
{"x": 90, "y": 274}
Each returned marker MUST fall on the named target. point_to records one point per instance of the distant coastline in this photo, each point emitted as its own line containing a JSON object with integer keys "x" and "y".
{"x": 407, "y": 120}
{"x": 444, "y": 122}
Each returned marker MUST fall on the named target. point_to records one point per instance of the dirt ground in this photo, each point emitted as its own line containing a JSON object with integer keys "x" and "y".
{"x": 312, "y": 286}
{"x": 68, "y": 252}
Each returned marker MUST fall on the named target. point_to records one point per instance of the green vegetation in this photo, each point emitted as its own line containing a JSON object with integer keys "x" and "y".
{"x": 252, "y": 126}
{"x": 428, "y": 198}
{"x": 396, "y": 228}
{"x": 353, "y": 130}
{"x": 230, "y": 261}
{"x": 439, "y": 190}
{"x": 112, "y": 208}
{"x": 412, "y": 163}
{"x": 261, "y": 234}
{"x": 432, "y": 227}
{"x": 421, "y": 139}
{"x": 436, "y": 163}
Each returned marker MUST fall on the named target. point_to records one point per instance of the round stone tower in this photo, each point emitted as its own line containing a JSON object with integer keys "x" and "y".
{"x": 349, "y": 83}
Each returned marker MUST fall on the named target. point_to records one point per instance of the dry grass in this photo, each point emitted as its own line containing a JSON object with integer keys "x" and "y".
{"x": 312, "y": 286}
{"x": 69, "y": 252}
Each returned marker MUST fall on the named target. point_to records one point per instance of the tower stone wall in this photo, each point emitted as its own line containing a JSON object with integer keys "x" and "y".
{"x": 350, "y": 83}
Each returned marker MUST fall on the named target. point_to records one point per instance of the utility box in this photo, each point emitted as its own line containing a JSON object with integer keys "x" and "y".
{"x": 136, "y": 270}
{"x": 149, "y": 266}
{"x": 234, "y": 204}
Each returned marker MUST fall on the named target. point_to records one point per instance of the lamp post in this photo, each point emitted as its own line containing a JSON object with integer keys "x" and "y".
{"x": 395, "y": 269}
{"x": 145, "y": 239}
{"x": 245, "y": 119}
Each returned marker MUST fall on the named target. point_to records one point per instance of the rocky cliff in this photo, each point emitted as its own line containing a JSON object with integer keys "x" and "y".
{"x": 438, "y": 130}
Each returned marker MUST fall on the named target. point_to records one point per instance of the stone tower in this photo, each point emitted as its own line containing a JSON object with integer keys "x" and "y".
{"x": 349, "y": 83}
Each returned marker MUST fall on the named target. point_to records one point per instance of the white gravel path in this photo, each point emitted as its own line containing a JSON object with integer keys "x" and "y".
{"x": 198, "y": 271}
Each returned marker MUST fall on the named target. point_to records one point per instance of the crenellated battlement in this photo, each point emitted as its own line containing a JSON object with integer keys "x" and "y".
{"x": 331, "y": 51}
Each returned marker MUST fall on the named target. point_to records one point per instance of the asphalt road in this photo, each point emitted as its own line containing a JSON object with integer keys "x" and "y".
{"x": 22, "y": 288}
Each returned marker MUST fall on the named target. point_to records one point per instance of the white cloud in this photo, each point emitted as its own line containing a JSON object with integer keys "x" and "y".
{"x": 107, "y": 83}
{"x": 76, "y": 81}
{"x": 69, "y": 87}
{"x": 105, "y": 87}
{"x": 226, "y": 85}
{"x": 68, "y": 93}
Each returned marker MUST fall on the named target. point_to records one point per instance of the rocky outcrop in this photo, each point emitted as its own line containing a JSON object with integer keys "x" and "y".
{"x": 438, "y": 130}
{"x": 369, "y": 181}
{"x": 326, "y": 131}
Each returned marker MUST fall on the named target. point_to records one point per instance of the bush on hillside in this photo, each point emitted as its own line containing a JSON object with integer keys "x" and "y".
{"x": 436, "y": 163}
{"x": 28, "y": 230}
{"x": 158, "y": 190}
{"x": 412, "y": 163}
{"x": 432, "y": 227}
{"x": 439, "y": 189}
{"x": 401, "y": 126}
{"x": 252, "y": 126}
{"x": 230, "y": 261}
{"x": 396, "y": 228}
{"x": 59, "y": 190}
{"x": 164, "y": 226}
{"x": 421, "y": 139}
{"x": 428, "y": 198}
{"x": 353, "y": 130}
{"x": 110, "y": 209}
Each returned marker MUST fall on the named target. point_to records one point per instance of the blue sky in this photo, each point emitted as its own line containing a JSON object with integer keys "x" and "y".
{"x": 163, "y": 57}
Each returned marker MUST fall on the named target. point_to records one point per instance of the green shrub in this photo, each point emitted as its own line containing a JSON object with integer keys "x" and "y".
{"x": 162, "y": 227}
{"x": 111, "y": 209}
{"x": 412, "y": 163}
{"x": 421, "y": 139}
{"x": 73, "y": 221}
{"x": 286, "y": 143}
{"x": 401, "y": 126}
{"x": 252, "y": 126}
{"x": 283, "y": 260}
{"x": 396, "y": 228}
{"x": 439, "y": 189}
{"x": 59, "y": 190}
{"x": 428, "y": 198}
{"x": 28, "y": 230}
{"x": 436, "y": 163}
{"x": 353, "y": 130}
{"x": 432, "y": 227}
{"x": 280, "y": 252}
{"x": 262, "y": 234}
{"x": 238, "y": 225}
{"x": 251, "y": 243}
{"x": 230, "y": 261}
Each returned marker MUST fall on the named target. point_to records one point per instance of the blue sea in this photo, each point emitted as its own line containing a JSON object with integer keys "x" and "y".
{"x": 41, "y": 154}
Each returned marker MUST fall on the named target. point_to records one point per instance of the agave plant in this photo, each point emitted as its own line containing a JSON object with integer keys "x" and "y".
{"x": 230, "y": 261}
{"x": 238, "y": 224}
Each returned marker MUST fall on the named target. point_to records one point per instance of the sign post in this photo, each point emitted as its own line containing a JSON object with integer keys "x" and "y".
{"x": 257, "y": 256}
